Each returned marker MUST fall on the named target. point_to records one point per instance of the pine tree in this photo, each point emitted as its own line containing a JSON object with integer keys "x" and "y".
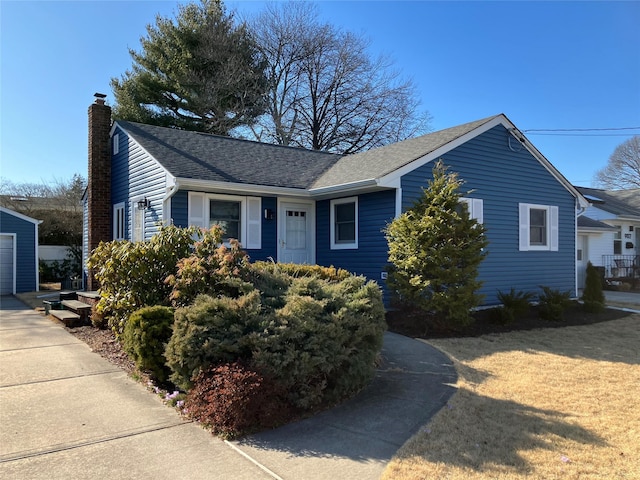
{"x": 199, "y": 72}
{"x": 436, "y": 248}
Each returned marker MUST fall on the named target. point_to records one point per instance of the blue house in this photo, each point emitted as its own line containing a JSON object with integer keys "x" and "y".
{"x": 296, "y": 205}
{"x": 18, "y": 253}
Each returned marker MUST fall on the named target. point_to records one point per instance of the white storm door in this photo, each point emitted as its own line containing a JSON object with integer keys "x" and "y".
{"x": 295, "y": 233}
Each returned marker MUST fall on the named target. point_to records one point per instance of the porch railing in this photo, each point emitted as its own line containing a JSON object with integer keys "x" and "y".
{"x": 621, "y": 266}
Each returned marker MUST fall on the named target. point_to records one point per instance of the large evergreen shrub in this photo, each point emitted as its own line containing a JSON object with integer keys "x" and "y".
{"x": 132, "y": 274}
{"x": 318, "y": 340}
{"x": 435, "y": 249}
{"x": 212, "y": 331}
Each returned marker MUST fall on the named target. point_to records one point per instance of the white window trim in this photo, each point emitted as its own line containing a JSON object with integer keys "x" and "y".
{"x": 247, "y": 205}
{"x": 475, "y": 207}
{"x": 552, "y": 227}
{"x": 342, "y": 246}
{"x": 119, "y": 228}
{"x": 116, "y": 143}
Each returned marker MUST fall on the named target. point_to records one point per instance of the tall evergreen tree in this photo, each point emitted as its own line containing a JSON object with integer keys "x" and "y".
{"x": 435, "y": 248}
{"x": 199, "y": 72}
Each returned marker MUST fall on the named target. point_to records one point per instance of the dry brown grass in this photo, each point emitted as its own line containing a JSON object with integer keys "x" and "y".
{"x": 543, "y": 404}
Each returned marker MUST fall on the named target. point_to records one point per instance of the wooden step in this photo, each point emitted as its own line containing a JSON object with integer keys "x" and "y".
{"x": 78, "y": 307}
{"x": 67, "y": 317}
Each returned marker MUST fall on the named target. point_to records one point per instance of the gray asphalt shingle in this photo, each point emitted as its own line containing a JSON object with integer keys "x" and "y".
{"x": 618, "y": 202}
{"x": 203, "y": 156}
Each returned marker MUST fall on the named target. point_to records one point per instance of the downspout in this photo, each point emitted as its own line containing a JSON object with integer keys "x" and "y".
{"x": 166, "y": 202}
{"x": 579, "y": 211}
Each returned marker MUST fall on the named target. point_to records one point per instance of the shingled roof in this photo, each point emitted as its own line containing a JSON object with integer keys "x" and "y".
{"x": 378, "y": 162}
{"x": 203, "y": 156}
{"x": 587, "y": 223}
{"x": 618, "y": 202}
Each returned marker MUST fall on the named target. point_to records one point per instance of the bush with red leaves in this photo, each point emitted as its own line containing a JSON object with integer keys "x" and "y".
{"x": 234, "y": 400}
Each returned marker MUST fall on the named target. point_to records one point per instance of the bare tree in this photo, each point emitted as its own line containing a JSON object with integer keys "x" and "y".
{"x": 325, "y": 91}
{"x": 58, "y": 204}
{"x": 623, "y": 169}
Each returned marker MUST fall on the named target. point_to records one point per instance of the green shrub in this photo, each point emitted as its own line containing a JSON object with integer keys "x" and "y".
{"x": 331, "y": 274}
{"x": 132, "y": 274}
{"x": 322, "y": 345}
{"x": 212, "y": 269}
{"x": 501, "y": 316}
{"x": 435, "y": 249}
{"x": 514, "y": 304}
{"x": 553, "y": 303}
{"x": 593, "y": 296}
{"x": 212, "y": 331}
{"x": 98, "y": 320}
{"x": 145, "y": 337}
{"x": 318, "y": 340}
{"x": 233, "y": 400}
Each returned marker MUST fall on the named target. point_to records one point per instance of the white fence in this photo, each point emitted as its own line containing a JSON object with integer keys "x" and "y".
{"x": 50, "y": 253}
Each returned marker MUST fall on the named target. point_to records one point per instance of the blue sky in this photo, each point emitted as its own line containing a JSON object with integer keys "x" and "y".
{"x": 546, "y": 65}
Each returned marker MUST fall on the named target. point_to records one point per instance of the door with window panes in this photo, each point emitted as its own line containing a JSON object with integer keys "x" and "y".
{"x": 295, "y": 234}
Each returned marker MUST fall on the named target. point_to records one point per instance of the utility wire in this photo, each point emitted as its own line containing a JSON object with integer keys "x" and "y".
{"x": 570, "y": 131}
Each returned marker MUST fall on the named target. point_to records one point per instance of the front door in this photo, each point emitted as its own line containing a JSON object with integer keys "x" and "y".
{"x": 582, "y": 259}
{"x": 295, "y": 233}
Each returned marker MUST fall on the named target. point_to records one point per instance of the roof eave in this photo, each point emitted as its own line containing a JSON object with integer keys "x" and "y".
{"x": 235, "y": 187}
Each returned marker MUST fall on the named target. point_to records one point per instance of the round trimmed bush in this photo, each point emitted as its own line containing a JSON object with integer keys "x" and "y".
{"x": 145, "y": 336}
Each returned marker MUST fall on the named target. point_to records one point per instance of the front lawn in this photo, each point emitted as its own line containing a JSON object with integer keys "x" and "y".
{"x": 540, "y": 404}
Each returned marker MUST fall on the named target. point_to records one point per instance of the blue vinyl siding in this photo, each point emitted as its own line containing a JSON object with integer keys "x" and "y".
{"x": 504, "y": 175}
{"x": 25, "y": 254}
{"x": 269, "y": 233}
{"x": 134, "y": 174}
{"x": 375, "y": 211}
{"x": 180, "y": 217}
{"x": 180, "y": 209}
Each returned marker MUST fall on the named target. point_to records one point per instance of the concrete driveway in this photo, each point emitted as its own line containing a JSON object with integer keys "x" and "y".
{"x": 66, "y": 413}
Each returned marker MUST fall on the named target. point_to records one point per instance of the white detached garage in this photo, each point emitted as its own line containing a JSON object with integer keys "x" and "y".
{"x": 18, "y": 253}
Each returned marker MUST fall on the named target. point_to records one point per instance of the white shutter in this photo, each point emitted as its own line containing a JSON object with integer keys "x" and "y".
{"x": 474, "y": 206}
{"x": 254, "y": 223}
{"x": 553, "y": 227}
{"x": 524, "y": 226}
{"x": 477, "y": 210}
{"x": 197, "y": 210}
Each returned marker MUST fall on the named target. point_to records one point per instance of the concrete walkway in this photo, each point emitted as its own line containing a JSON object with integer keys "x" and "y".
{"x": 66, "y": 413}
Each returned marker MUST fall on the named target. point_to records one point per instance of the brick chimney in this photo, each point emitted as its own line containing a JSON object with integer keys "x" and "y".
{"x": 99, "y": 178}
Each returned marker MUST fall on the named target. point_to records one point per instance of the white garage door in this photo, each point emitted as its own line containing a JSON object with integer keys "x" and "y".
{"x": 6, "y": 264}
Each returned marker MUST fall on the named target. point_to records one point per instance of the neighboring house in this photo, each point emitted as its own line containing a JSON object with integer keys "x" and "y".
{"x": 609, "y": 232}
{"x": 296, "y": 205}
{"x": 18, "y": 253}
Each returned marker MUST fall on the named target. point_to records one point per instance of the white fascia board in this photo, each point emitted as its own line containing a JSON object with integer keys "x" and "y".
{"x": 511, "y": 128}
{"x": 20, "y": 216}
{"x": 584, "y": 203}
{"x": 209, "y": 186}
{"x": 595, "y": 230}
{"x": 628, "y": 218}
{"x": 352, "y": 187}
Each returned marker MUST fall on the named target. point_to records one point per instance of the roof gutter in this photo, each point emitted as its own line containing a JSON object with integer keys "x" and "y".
{"x": 166, "y": 201}
{"x": 235, "y": 187}
{"x": 345, "y": 187}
